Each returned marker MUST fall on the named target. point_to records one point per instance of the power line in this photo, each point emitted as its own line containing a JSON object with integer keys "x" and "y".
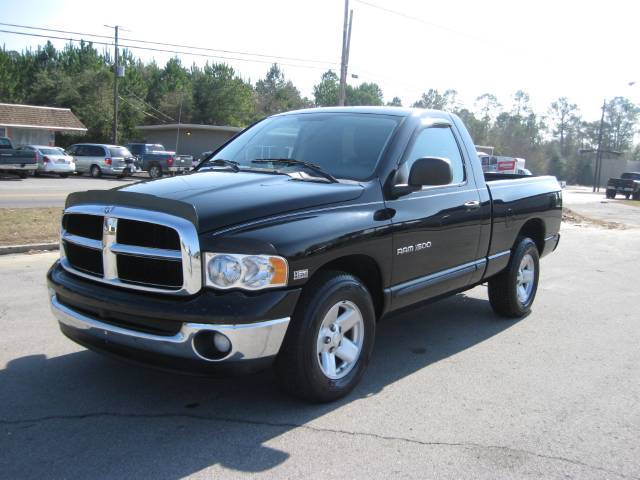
{"x": 140, "y": 109}
{"x": 422, "y": 20}
{"x": 176, "y": 45}
{"x": 150, "y": 106}
{"x": 175, "y": 52}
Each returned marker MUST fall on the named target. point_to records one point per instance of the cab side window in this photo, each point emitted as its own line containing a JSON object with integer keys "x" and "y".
{"x": 437, "y": 142}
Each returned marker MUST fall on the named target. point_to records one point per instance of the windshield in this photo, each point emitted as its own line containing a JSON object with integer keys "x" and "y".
{"x": 345, "y": 145}
{"x": 155, "y": 148}
{"x": 631, "y": 176}
{"x": 119, "y": 152}
{"x": 50, "y": 151}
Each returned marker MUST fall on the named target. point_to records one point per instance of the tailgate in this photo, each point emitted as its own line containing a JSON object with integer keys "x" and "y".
{"x": 13, "y": 157}
{"x": 183, "y": 161}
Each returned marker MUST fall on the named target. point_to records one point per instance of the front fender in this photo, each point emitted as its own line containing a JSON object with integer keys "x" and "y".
{"x": 311, "y": 239}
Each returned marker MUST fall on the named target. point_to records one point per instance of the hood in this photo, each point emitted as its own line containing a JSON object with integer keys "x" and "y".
{"x": 213, "y": 200}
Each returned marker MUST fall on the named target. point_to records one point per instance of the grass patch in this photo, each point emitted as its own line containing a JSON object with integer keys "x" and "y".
{"x": 633, "y": 203}
{"x": 20, "y": 226}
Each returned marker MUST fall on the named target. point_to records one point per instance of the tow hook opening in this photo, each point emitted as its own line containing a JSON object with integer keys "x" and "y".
{"x": 212, "y": 345}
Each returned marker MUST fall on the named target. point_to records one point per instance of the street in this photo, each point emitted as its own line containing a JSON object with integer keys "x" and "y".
{"x": 51, "y": 191}
{"x": 452, "y": 392}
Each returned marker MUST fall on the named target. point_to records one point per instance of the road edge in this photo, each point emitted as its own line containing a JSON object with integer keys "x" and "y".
{"x": 8, "y": 249}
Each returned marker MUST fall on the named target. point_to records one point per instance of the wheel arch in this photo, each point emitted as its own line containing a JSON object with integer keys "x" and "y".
{"x": 366, "y": 269}
{"x": 535, "y": 229}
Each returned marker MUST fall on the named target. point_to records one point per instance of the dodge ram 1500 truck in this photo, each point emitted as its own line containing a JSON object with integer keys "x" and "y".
{"x": 290, "y": 241}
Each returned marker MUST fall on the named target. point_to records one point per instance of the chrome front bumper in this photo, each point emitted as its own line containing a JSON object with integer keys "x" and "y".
{"x": 251, "y": 341}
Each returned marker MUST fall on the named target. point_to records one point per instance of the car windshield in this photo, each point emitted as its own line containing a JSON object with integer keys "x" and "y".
{"x": 155, "y": 148}
{"x": 119, "y": 152}
{"x": 50, "y": 151}
{"x": 344, "y": 144}
{"x": 631, "y": 176}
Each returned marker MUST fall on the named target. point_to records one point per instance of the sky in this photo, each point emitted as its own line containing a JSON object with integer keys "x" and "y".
{"x": 587, "y": 51}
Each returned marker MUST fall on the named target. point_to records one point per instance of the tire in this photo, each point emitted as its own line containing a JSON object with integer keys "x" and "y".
{"x": 508, "y": 295}
{"x": 310, "y": 338}
{"x": 155, "y": 171}
{"x": 627, "y": 196}
{"x": 611, "y": 194}
{"x": 23, "y": 174}
{"x": 636, "y": 196}
{"x": 95, "y": 171}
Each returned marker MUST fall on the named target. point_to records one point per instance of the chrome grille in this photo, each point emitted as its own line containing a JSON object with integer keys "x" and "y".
{"x": 137, "y": 249}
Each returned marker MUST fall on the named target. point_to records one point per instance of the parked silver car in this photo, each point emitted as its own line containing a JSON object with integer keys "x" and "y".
{"x": 52, "y": 160}
{"x": 99, "y": 159}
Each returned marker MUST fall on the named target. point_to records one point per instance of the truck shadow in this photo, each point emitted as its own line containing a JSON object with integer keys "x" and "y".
{"x": 83, "y": 415}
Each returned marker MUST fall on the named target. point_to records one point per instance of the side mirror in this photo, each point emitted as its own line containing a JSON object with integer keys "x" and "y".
{"x": 430, "y": 171}
{"x": 426, "y": 172}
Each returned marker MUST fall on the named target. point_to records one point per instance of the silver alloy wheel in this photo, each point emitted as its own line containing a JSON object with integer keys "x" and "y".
{"x": 525, "y": 278}
{"x": 154, "y": 171}
{"x": 340, "y": 340}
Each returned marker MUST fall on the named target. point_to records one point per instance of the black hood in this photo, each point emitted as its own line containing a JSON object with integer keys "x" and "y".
{"x": 213, "y": 200}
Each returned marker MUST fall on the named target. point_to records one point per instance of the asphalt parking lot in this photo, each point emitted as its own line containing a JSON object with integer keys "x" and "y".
{"x": 453, "y": 391}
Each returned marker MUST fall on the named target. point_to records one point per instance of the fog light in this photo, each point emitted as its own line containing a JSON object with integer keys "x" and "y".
{"x": 211, "y": 345}
{"x": 221, "y": 342}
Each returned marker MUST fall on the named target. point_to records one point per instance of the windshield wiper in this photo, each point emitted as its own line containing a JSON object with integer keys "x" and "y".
{"x": 232, "y": 164}
{"x": 293, "y": 162}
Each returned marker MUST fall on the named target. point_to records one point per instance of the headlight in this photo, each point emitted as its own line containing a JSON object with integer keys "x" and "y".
{"x": 246, "y": 272}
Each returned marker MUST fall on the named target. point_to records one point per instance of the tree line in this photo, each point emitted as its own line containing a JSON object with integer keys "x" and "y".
{"x": 81, "y": 78}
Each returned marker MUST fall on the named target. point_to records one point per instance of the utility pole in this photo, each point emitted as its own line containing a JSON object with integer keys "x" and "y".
{"x": 598, "y": 166}
{"x": 115, "y": 90}
{"x": 346, "y": 40}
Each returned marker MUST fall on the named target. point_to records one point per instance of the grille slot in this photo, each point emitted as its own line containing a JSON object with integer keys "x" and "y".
{"x": 145, "y": 234}
{"x": 150, "y": 271}
{"x": 88, "y": 226}
{"x": 84, "y": 259}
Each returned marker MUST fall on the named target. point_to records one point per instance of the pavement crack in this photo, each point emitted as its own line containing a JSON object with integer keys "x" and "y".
{"x": 285, "y": 425}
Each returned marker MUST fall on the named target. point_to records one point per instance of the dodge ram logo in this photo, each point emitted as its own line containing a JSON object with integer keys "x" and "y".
{"x": 110, "y": 225}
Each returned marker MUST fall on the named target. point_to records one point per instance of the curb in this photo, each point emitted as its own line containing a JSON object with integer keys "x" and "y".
{"x": 7, "y": 249}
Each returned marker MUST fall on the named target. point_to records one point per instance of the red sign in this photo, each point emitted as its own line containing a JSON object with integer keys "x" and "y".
{"x": 506, "y": 165}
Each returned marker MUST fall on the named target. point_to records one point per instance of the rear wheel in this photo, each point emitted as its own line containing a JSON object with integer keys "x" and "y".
{"x": 611, "y": 194}
{"x": 95, "y": 171}
{"x": 329, "y": 342}
{"x": 512, "y": 292}
{"x": 155, "y": 171}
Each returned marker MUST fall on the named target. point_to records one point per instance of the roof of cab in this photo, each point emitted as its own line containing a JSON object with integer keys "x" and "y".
{"x": 383, "y": 110}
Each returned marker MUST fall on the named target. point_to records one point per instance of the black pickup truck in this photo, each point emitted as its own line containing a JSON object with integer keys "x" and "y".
{"x": 16, "y": 161}
{"x": 628, "y": 185}
{"x": 290, "y": 241}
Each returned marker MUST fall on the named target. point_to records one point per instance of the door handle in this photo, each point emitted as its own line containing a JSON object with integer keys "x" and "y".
{"x": 472, "y": 205}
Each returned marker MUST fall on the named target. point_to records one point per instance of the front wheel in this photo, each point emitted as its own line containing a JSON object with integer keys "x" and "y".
{"x": 329, "y": 341}
{"x": 611, "y": 194}
{"x": 627, "y": 196}
{"x": 512, "y": 292}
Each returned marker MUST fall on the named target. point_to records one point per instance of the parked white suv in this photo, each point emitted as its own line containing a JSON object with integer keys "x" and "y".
{"x": 99, "y": 159}
{"x": 52, "y": 160}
